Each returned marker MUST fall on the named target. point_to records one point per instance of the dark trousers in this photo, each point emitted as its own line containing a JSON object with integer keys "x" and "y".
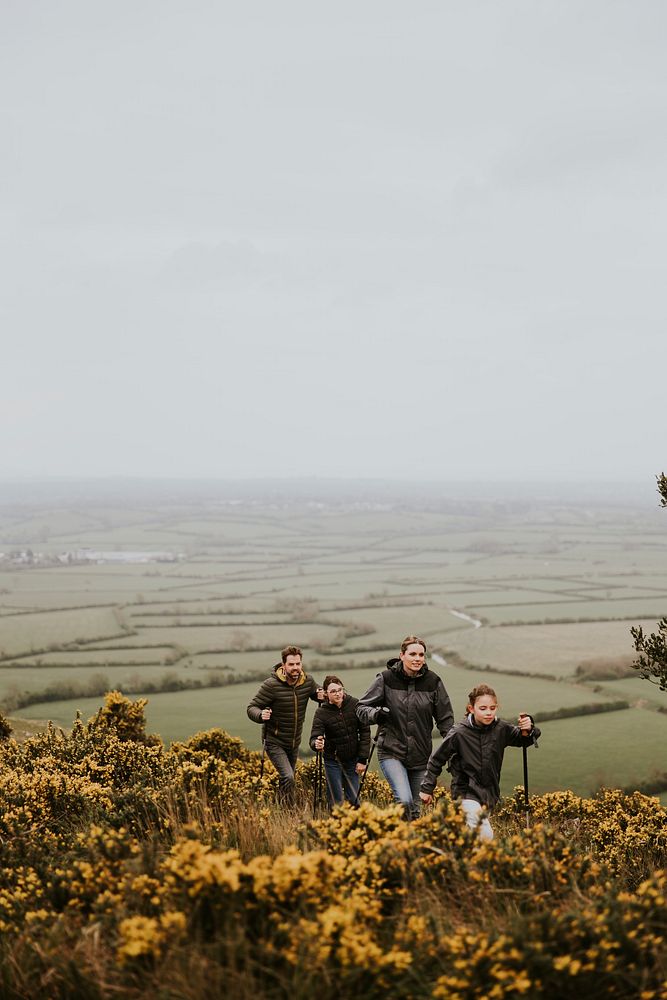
{"x": 284, "y": 761}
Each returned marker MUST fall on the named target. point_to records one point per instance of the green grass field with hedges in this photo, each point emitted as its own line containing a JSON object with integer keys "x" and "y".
{"x": 556, "y": 585}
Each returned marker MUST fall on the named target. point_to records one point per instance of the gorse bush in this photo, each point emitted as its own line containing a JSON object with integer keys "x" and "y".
{"x": 133, "y": 870}
{"x": 125, "y": 718}
{"x": 5, "y": 728}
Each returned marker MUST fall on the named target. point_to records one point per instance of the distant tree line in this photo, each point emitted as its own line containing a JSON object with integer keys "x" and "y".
{"x": 98, "y": 685}
{"x": 592, "y": 708}
{"x": 654, "y": 785}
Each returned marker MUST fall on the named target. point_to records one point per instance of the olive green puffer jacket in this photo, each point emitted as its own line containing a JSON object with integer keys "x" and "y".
{"x": 288, "y": 706}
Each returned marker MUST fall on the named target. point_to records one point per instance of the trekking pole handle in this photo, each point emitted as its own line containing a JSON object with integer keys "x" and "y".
{"x": 522, "y": 717}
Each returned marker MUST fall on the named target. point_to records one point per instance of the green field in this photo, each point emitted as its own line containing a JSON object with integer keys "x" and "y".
{"x": 554, "y": 585}
{"x": 544, "y": 649}
{"x": 612, "y": 749}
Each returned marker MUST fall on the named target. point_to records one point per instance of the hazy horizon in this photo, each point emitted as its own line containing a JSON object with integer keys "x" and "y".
{"x": 372, "y": 242}
{"x": 60, "y": 491}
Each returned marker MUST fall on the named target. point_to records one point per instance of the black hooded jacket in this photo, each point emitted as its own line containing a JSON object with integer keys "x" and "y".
{"x": 414, "y": 702}
{"x": 346, "y": 738}
{"x": 476, "y": 755}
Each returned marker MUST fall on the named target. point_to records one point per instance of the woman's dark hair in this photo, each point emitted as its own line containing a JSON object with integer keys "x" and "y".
{"x": 331, "y": 679}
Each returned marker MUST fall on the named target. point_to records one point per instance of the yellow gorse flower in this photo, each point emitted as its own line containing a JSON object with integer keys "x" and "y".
{"x": 118, "y": 844}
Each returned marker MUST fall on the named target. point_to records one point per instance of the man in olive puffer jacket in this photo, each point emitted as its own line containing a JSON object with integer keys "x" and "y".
{"x": 280, "y": 706}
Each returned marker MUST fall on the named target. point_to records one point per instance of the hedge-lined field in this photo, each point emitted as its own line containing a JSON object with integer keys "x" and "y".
{"x": 582, "y": 753}
{"x": 344, "y": 581}
{"x": 556, "y": 650}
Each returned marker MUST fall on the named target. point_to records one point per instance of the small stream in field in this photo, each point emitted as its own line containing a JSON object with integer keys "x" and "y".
{"x": 475, "y": 622}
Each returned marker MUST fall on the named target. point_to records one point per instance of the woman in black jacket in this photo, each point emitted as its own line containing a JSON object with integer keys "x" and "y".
{"x": 405, "y": 700}
{"x": 344, "y": 739}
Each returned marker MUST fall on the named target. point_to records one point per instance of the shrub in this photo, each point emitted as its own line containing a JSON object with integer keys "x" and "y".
{"x": 130, "y": 870}
{"x": 125, "y": 718}
{"x": 5, "y": 729}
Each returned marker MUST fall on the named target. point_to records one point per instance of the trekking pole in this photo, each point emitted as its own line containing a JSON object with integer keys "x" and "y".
{"x": 320, "y": 777}
{"x": 261, "y": 766}
{"x": 525, "y": 786}
{"x": 316, "y": 778}
{"x": 355, "y": 804}
{"x": 317, "y": 795}
{"x": 370, "y": 757}
{"x": 348, "y": 786}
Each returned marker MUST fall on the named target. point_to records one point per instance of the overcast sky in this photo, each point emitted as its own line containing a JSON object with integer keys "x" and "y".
{"x": 389, "y": 239}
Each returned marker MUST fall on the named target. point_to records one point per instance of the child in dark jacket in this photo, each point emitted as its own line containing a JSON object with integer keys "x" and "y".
{"x": 344, "y": 739}
{"x": 475, "y": 749}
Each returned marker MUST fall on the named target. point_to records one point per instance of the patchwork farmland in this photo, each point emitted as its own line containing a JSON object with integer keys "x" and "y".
{"x": 187, "y": 600}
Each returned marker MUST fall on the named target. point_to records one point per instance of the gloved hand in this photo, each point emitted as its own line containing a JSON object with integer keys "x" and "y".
{"x": 382, "y": 715}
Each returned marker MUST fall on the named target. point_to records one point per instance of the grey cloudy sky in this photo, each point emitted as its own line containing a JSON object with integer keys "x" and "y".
{"x": 381, "y": 239}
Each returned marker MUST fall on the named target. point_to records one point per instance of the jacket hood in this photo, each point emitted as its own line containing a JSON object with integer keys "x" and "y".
{"x": 282, "y": 676}
{"x": 396, "y": 666}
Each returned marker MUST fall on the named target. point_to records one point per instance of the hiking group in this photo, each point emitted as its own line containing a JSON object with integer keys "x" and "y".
{"x": 405, "y": 700}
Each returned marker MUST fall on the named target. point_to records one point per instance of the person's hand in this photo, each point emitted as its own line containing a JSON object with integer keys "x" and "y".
{"x": 425, "y": 797}
{"x": 525, "y": 723}
{"x": 319, "y": 743}
{"x": 266, "y": 714}
{"x": 383, "y": 715}
{"x": 321, "y": 694}
{"x": 360, "y": 768}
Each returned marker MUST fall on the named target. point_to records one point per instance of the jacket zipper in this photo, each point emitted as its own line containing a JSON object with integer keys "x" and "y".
{"x": 296, "y": 706}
